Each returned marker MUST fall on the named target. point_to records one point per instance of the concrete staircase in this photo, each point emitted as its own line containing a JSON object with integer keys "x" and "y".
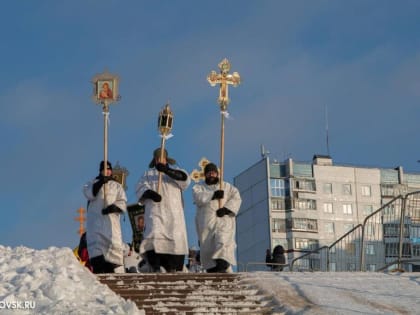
{"x": 189, "y": 293}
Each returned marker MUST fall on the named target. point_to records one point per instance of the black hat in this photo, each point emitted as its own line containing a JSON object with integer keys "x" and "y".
{"x": 101, "y": 166}
{"x": 210, "y": 167}
{"x": 156, "y": 155}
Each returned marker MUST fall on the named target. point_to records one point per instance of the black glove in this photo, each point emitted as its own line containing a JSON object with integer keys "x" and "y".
{"x": 162, "y": 167}
{"x": 218, "y": 194}
{"x": 151, "y": 194}
{"x": 174, "y": 174}
{"x": 111, "y": 209}
{"x": 224, "y": 211}
{"x": 98, "y": 184}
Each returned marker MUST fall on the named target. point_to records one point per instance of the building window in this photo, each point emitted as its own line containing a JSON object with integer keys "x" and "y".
{"x": 306, "y": 243}
{"x": 370, "y": 229}
{"x": 329, "y": 227}
{"x": 328, "y": 207}
{"x": 367, "y": 209}
{"x": 304, "y": 184}
{"x": 305, "y": 224}
{"x": 371, "y": 267}
{"x": 387, "y": 190}
{"x": 347, "y": 208}
{"x": 391, "y": 230}
{"x": 347, "y": 227}
{"x": 327, "y": 188}
{"x": 333, "y": 266}
{"x": 350, "y": 248}
{"x": 389, "y": 210}
{"x": 366, "y": 191}
{"x": 278, "y": 225}
{"x": 278, "y": 204}
{"x": 305, "y": 204}
{"x": 347, "y": 189}
{"x": 370, "y": 249}
{"x": 279, "y": 187}
{"x": 351, "y": 267}
{"x": 392, "y": 250}
{"x": 279, "y": 241}
{"x": 416, "y": 250}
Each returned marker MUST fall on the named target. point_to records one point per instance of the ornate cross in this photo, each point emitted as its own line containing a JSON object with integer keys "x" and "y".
{"x": 224, "y": 79}
{"x": 198, "y": 175}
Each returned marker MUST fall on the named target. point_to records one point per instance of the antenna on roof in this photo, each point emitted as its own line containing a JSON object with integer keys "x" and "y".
{"x": 326, "y": 130}
{"x": 264, "y": 152}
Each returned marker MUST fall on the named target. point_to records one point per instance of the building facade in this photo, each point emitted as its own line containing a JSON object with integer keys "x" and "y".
{"x": 307, "y": 205}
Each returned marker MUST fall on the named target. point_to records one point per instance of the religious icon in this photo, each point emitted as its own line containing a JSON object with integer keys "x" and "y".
{"x": 105, "y": 90}
{"x": 136, "y": 215}
{"x": 140, "y": 223}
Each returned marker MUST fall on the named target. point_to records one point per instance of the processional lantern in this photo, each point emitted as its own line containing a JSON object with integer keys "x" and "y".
{"x": 165, "y": 123}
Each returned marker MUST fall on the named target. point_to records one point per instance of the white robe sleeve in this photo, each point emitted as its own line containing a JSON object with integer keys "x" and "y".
{"x": 87, "y": 190}
{"x": 201, "y": 195}
{"x": 233, "y": 201}
{"x": 143, "y": 185}
{"x": 182, "y": 184}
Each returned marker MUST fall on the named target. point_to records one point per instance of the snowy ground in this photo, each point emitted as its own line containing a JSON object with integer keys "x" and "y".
{"x": 342, "y": 292}
{"x": 52, "y": 281}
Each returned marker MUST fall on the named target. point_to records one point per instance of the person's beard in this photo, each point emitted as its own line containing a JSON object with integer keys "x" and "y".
{"x": 212, "y": 180}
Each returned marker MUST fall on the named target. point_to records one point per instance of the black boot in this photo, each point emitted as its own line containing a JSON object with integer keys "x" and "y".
{"x": 154, "y": 260}
{"x": 221, "y": 266}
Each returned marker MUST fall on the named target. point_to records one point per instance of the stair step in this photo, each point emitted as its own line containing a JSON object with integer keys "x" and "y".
{"x": 165, "y": 309}
{"x": 189, "y": 293}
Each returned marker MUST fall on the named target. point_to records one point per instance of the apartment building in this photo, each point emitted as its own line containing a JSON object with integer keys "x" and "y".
{"x": 306, "y": 205}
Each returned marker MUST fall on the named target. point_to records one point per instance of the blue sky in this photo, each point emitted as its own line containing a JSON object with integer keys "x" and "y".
{"x": 361, "y": 59}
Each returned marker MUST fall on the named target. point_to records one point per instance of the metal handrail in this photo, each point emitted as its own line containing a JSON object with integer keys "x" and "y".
{"x": 265, "y": 264}
{"x": 398, "y": 261}
{"x": 315, "y": 251}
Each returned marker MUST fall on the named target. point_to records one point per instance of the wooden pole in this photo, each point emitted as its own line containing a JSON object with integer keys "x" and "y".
{"x": 106, "y": 118}
{"x": 162, "y": 152}
{"x": 222, "y": 154}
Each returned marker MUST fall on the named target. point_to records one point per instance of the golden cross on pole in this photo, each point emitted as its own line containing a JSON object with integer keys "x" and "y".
{"x": 198, "y": 175}
{"x": 81, "y": 218}
{"x": 224, "y": 79}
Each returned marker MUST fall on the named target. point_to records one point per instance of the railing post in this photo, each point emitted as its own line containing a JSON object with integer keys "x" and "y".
{"x": 402, "y": 225}
{"x": 362, "y": 246}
